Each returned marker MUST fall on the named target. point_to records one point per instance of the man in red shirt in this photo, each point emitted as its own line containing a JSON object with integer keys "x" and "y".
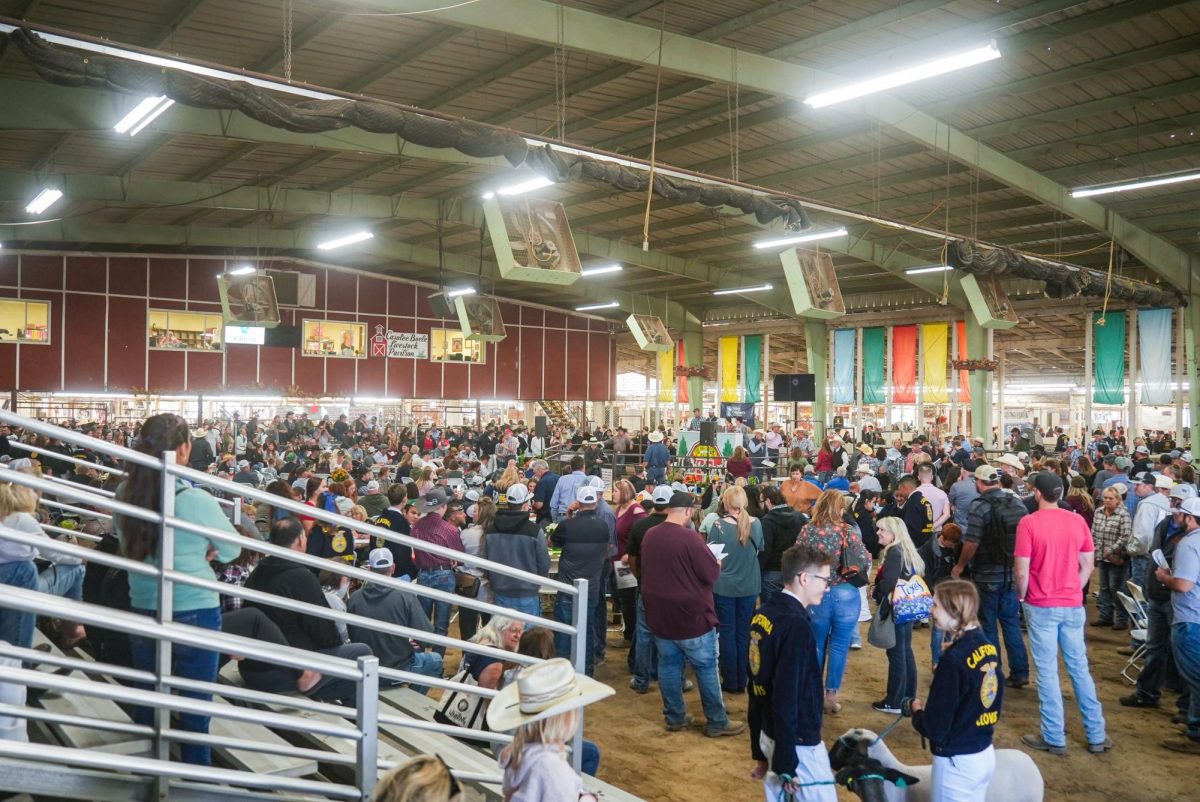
{"x": 1052, "y": 562}
{"x": 677, "y": 578}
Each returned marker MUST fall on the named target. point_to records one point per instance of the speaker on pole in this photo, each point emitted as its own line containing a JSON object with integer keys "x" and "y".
{"x": 539, "y": 426}
{"x": 708, "y": 433}
{"x": 796, "y": 387}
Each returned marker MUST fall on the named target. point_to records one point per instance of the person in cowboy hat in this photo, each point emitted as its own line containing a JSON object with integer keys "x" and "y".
{"x": 866, "y": 456}
{"x": 543, "y": 706}
{"x": 657, "y": 458}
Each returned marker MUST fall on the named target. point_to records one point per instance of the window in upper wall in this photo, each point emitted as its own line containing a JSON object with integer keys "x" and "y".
{"x": 189, "y": 331}
{"x": 25, "y": 321}
{"x": 335, "y": 338}
{"x": 449, "y": 345}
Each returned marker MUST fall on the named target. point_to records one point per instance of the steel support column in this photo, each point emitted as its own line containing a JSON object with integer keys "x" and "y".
{"x": 816, "y": 342}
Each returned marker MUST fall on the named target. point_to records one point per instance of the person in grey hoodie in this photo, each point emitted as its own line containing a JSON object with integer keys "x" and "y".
{"x": 392, "y": 606}
{"x": 516, "y": 541}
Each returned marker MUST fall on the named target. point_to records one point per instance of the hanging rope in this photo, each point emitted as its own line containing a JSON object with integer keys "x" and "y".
{"x": 1112, "y": 258}
{"x": 288, "y": 18}
{"x": 662, "y": 28}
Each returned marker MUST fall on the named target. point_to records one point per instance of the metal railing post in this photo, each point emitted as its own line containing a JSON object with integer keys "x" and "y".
{"x": 237, "y": 511}
{"x": 367, "y": 765}
{"x": 579, "y": 645}
{"x": 166, "y": 613}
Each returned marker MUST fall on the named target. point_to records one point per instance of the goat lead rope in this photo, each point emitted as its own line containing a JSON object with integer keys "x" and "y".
{"x": 888, "y": 729}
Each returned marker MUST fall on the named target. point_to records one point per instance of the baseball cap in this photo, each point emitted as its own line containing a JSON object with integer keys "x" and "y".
{"x": 301, "y": 485}
{"x": 380, "y": 559}
{"x": 1142, "y": 450}
{"x": 344, "y": 505}
{"x": 1048, "y": 484}
{"x": 372, "y": 486}
{"x": 471, "y": 495}
{"x": 1123, "y": 463}
{"x": 1183, "y": 491}
{"x": 1192, "y": 507}
{"x": 679, "y": 487}
{"x": 1186, "y": 456}
{"x": 987, "y": 474}
{"x": 661, "y": 496}
{"x": 969, "y": 465}
{"x": 1147, "y": 478}
{"x": 586, "y": 494}
{"x": 681, "y": 499}
{"x": 516, "y": 495}
{"x": 244, "y": 463}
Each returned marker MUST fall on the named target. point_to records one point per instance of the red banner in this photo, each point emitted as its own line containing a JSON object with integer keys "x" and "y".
{"x": 904, "y": 364}
{"x": 681, "y": 391}
{"x": 964, "y": 376}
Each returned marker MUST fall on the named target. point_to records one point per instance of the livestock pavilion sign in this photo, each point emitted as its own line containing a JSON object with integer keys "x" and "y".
{"x": 399, "y": 344}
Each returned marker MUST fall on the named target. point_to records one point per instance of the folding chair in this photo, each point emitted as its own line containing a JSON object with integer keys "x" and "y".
{"x": 1139, "y": 596}
{"x": 1138, "y": 618}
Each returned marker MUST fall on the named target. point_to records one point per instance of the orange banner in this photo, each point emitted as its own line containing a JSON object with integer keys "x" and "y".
{"x": 964, "y": 376}
{"x": 904, "y": 364}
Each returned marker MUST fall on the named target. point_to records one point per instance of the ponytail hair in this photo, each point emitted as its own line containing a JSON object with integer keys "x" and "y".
{"x": 143, "y": 485}
{"x": 734, "y": 501}
{"x": 960, "y": 600}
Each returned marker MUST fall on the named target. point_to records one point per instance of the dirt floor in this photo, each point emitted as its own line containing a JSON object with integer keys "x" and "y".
{"x": 639, "y": 756}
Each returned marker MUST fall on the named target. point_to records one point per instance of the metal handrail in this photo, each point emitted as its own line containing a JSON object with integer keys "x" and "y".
{"x": 14, "y": 443}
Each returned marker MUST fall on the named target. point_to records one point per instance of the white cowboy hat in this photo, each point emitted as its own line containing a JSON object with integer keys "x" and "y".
{"x": 1011, "y": 460}
{"x": 655, "y": 437}
{"x": 541, "y": 691}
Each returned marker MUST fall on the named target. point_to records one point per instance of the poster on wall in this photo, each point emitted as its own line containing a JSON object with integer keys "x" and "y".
{"x": 407, "y": 345}
{"x": 732, "y": 410}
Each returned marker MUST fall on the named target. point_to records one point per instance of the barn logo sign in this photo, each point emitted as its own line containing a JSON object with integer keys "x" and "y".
{"x": 399, "y": 344}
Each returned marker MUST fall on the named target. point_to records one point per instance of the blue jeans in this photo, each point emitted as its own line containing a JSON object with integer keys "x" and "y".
{"x": 1051, "y": 629}
{"x": 1185, "y": 641}
{"x": 564, "y": 606}
{"x": 441, "y": 579}
{"x": 525, "y": 604}
{"x": 771, "y": 584}
{"x": 428, "y": 664}
{"x": 190, "y": 663}
{"x": 62, "y": 580}
{"x": 1160, "y": 668}
{"x": 599, "y": 617}
{"x": 701, "y": 652}
{"x": 645, "y": 650}
{"x": 590, "y": 760}
{"x": 834, "y": 622}
{"x": 17, "y": 627}
{"x": 998, "y": 603}
{"x": 734, "y": 614}
{"x": 902, "y": 667}
{"x": 1112, "y": 581}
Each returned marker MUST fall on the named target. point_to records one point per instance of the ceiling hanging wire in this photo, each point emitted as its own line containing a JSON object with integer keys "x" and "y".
{"x": 945, "y": 299}
{"x": 560, "y": 75}
{"x": 288, "y": 18}
{"x": 662, "y": 28}
{"x": 733, "y": 104}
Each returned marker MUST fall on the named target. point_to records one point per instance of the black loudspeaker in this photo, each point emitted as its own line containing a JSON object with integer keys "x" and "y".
{"x": 442, "y": 306}
{"x": 708, "y": 433}
{"x": 539, "y": 426}
{"x": 282, "y": 337}
{"x": 799, "y": 387}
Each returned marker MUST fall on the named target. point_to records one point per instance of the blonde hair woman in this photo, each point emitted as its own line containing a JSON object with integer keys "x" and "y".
{"x": 424, "y": 778}
{"x": 507, "y": 479}
{"x": 899, "y": 560}
{"x": 835, "y": 619}
{"x": 737, "y": 587}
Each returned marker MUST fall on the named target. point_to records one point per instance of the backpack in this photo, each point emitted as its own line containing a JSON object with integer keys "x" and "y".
{"x": 997, "y": 544}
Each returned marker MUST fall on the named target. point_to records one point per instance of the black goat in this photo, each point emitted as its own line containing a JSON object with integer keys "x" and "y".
{"x": 862, "y": 774}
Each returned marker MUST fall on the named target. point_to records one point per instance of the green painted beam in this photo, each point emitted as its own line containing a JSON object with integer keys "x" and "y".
{"x": 399, "y": 59}
{"x": 300, "y": 39}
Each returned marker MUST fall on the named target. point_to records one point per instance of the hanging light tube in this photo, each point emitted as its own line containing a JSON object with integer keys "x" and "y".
{"x": 917, "y": 271}
{"x": 243, "y": 270}
{"x": 460, "y": 291}
{"x": 530, "y": 185}
{"x": 594, "y": 307}
{"x": 1160, "y": 181}
{"x": 740, "y": 290}
{"x": 598, "y": 271}
{"x": 44, "y": 200}
{"x": 349, "y": 239}
{"x": 811, "y": 236}
{"x": 143, "y": 114}
{"x": 908, "y": 75}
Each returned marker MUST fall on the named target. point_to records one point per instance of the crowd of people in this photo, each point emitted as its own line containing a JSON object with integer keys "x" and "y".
{"x": 758, "y": 582}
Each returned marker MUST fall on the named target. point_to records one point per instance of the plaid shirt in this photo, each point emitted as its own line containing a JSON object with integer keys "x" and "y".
{"x": 435, "y": 529}
{"x": 1110, "y": 533}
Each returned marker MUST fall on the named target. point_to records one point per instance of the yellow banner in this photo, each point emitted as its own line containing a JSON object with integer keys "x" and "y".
{"x": 666, "y": 375}
{"x": 727, "y": 355}
{"x": 934, "y": 361}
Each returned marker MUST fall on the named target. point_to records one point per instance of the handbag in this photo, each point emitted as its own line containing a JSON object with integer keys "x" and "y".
{"x": 911, "y": 600}
{"x": 463, "y": 709}
{"x": 466, "y": 585}
{"x": 850, "y": 574}
{"x": 882, "y": 632}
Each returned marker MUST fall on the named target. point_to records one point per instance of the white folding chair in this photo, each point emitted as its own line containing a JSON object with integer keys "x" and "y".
{"x": 1138, "y": 617}
{"x": 1139, "y": 596}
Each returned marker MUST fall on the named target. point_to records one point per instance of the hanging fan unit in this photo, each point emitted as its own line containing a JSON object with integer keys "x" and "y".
{"x": 479, "y": 316}
{"x": 813, "y": 284}
{"x": 650, "y": 332}
{"x": 989, "y": 301}
{"x": 532, "y": 240}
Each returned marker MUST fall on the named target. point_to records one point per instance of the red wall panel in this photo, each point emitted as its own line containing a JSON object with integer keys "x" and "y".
{"x": 166, "y": 371}
{"x": 40, "y": 366}
{"x": 372, "y": 296}
{"x": 85, "y": 341}
{"x": 202, "y": 279}
{"x": 555, "y": 320}
{"x": 554, "y": 349}
{"x": 429, "y": 374}
{"x": 310, "y": 373}
{"x": 8, "y": 269}
{"x": 8, "y": 366}
{"x": 241, "y": 366}
{"x": 455, "y": 378}
{"x": 343, "y": 292}
{"x": 127, "y": 340}
{"x": 482, "y": 376}
{"x": 87, "y": 273}
{"x": 339, "y": 376}
{"x": 370, "y": 370}
{"x": 400, "y": 372}
{"x": 204, "y": 371}
{"x": 126, "y": 275}
{"x": 600, "y": 348}
{"x": 531, "y": 358}
{"x": 579, "y": 363}
{"x": 275, "y": 367}
{"x": 402, "y": 299}
{"x": 42, "y": 272}
{"x": 168, "y": 278}
{"x": 509, "y": 365}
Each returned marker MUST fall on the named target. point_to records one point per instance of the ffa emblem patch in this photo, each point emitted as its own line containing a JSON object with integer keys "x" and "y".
{"x": 755, "y": 657}
{"x": 339, "y": 543}
{"x": 989, "y": 687}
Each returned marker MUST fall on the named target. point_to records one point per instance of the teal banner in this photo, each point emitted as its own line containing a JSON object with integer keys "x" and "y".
{"x": 844, "y": 343}
{"x": 1108, "y": 341}
{"x": 874, "y": 345}
{"x": 752, "y": 347}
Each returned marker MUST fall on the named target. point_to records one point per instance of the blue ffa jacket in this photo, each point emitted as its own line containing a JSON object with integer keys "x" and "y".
{"x": 786, "y": 686}
{"x": 964, "y": 700}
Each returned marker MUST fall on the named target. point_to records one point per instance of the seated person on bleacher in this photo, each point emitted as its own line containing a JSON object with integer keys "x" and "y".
{"x": 393, "y": 606}
{"x": 295, "y": 581}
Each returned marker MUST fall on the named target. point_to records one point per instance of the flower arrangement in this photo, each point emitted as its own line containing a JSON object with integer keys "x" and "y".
{"x": 339, "y": 475}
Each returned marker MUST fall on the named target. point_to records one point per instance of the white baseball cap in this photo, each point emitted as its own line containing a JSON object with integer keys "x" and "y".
{"x": 586, "y": 494}
{"x": 517, "y": 494}
{"x": 379, "y": 559}
{"x": 661, "y": 495}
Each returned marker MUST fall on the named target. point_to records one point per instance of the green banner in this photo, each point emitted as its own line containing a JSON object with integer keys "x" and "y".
{"x": 752, "y": 359}
{"x": 1108, "y": 341}
{"x": 874, "y": 345}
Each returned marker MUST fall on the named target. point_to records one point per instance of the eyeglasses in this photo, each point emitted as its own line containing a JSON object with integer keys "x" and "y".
{"x": 824, "y": 578}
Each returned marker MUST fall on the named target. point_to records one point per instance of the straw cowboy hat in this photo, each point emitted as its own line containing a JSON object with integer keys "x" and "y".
{"x": 655, "y": 437}
{"x": 1011, "y": 461}
{"x": 541, "y": 691}
{"x": 865, "y": 450}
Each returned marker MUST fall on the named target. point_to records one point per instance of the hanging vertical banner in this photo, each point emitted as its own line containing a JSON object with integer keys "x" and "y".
{"x": 904, "y": 364}
{"x": 874, "y": 344}
{"x": 964, "y": 376}
{"x": 666, "y": 375}
{"x": 844, "y": 346}
{"x": 727, "y": 356}
{"x": 1154, "y": 349}
{"x": 681, "y": 390}
{"x": 934, "y": 358}
{"x": 752, "y": 356}
{"x": 1109, "y": 344}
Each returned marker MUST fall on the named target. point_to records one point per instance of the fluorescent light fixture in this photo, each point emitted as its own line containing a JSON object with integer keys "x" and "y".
{"x": 811, "y": 236}
{"x": 1160, "y": 181}
{"x": 461, "y": 291}
{"x": 243, "y": 270}
{"x": 594, "y": 307}
{"x": 349, "y": 239}
{"x": 143, "y": 114}
{"x": 907, "y": 75}
{"x": 520, "y": 189}
{"x": 44, "y": 200}
{"x": 597, "y": 271}
{"x": 740, "y": 290}
{"x": 917, "y": 271}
